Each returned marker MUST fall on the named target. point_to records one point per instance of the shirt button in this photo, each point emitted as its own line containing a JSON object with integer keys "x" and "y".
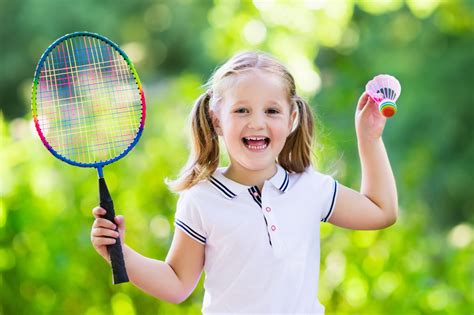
{"x": 274, "y": 228}
{"x": 268, "y": 209}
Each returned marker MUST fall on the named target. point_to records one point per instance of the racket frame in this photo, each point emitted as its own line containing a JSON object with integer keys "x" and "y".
{"x": 98, "y": 165}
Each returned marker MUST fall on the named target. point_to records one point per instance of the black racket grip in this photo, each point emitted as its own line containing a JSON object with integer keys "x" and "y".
{"x": 115, "y": 250}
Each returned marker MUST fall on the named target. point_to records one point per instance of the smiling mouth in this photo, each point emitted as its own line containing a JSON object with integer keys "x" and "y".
{"x": 256, "y": 143}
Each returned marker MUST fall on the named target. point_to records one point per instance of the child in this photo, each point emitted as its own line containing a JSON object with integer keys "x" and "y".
{"x": 254, "y": 226}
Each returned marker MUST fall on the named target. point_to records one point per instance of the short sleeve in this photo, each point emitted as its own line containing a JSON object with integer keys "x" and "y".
{"x": 324, "y": 187}
{"x": 328, "y": 197}
{"x": 188, "y": 218}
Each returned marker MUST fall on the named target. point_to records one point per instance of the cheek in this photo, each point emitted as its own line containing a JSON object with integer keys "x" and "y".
{"x": 231, "y": 129}
{"x": 283, "y": 129}
{"x": 282, "y": 136}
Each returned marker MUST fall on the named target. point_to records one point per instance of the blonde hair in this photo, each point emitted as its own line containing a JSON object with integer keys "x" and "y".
{"x": 204, "y": 158}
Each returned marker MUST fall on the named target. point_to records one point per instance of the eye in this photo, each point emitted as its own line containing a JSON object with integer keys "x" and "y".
{"x": 241, "y": 110}
{"x": 273, "y": 111}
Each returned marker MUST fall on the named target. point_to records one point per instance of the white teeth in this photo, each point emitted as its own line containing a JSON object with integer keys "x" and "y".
{"x": 255, "y": 138}
{"x": 257, "y": 147}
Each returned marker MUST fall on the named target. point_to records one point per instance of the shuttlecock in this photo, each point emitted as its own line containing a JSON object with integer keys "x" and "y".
{"x": 384, "y": 89}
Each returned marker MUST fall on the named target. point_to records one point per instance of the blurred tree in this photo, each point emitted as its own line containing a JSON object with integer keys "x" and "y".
{"x": 161, "y": 33}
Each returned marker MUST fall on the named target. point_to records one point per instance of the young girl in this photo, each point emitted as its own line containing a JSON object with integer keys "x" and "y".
{"x": 253, "y": 226}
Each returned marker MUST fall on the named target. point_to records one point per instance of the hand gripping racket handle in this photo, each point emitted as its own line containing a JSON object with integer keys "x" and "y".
{"x": 115, "y": 250}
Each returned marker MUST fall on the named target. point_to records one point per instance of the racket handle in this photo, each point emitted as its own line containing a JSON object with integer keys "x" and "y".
{"x": 115, "y": 250}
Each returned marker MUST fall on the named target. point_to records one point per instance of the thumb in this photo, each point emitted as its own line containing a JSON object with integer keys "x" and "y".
{"x": 363, "y": 100}
{"x": 120, "y": 221}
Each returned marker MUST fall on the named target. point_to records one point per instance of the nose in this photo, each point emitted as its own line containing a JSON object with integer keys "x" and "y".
{"x": 257, "y": 121}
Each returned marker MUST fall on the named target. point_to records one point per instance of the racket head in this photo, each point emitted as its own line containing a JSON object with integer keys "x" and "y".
{"x": 88, "y": 103}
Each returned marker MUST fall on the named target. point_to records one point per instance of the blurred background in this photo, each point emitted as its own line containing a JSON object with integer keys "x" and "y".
{"x": 421, "y": 265}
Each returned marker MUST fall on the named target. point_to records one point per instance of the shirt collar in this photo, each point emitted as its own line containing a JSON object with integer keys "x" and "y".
{"x": 230, "y": 189}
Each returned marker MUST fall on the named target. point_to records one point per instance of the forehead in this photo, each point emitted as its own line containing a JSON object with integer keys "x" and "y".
{"x": 254, "y": 84}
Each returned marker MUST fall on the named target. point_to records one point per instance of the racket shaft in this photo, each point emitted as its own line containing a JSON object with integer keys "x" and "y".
{"x": 115, "y": 250}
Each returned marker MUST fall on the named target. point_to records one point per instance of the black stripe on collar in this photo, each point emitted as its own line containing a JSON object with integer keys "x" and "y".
{"x": 285, "y": 183}
{"x": 226, "y": 191}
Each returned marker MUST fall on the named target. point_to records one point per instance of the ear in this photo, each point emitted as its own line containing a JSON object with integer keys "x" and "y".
{"x": 293, "y": 117}
{"x": 215, "y": 122}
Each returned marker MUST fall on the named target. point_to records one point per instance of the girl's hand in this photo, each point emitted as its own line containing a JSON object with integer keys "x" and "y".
{"x": 104, "y": 232}
{"x": 368, "y": 119}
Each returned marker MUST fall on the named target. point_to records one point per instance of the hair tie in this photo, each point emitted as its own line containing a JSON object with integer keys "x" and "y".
{"x": 298, "y": 100}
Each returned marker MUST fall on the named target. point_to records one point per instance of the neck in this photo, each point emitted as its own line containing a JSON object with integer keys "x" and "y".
{"x": 248, "y": 177}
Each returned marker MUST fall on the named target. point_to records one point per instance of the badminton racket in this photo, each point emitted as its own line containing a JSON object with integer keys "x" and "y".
{"x": 89, "y": 110}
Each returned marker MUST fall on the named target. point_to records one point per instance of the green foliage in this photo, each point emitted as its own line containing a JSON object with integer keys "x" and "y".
{"x": 421, "y": 265}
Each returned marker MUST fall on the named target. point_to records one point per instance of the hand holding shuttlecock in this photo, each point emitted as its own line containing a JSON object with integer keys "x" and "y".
{"x": 384, "y": 89}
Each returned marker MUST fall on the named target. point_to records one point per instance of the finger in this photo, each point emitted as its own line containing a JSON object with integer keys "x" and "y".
{"x": 367, "y": 104}
{"x": 98, "y": 212}
{"x": 372, "y": 105}
{"x": 101, "y": 232}
{"x": 363, "y": 101}
{"x": 101, "y": 241}
{"x": 101, "y": 222}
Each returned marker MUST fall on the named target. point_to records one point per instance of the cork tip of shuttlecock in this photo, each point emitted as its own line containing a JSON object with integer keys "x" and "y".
{"x": 388, "y": 110}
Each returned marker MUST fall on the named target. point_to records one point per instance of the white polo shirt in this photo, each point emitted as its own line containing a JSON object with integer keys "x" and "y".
{"x": 261, "y": 248}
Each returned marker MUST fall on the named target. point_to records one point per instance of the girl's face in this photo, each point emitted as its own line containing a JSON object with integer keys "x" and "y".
{"x": 254, "y": 118}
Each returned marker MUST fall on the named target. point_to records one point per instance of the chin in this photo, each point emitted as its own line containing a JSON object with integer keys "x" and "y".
{"x": 258, "y": 164}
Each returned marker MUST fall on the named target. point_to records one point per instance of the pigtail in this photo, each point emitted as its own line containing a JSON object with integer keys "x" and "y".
{"x": 296, "y": 153}
{"x": 204, "y": 158}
